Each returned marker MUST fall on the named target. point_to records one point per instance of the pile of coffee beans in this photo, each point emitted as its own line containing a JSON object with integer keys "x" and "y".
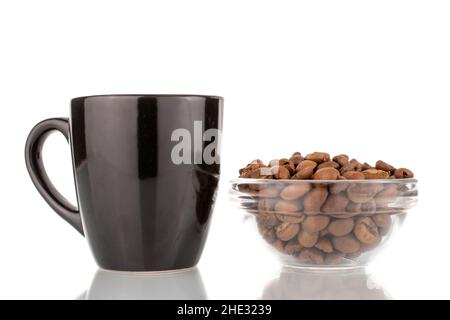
{"x": 320, "y": 166}
{"x": 321, "y": 222}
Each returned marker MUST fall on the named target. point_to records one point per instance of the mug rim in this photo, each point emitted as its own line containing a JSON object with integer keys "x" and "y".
{"x": 164, "y": 95}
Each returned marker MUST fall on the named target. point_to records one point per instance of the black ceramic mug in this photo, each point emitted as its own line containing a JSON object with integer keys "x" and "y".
{"x": 146, "y": 173}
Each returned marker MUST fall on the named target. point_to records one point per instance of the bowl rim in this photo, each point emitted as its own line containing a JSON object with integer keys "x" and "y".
{"x": 369, "y": 181}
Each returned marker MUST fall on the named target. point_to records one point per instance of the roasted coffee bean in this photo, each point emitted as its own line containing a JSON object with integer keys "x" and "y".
{"x": 324, "y": 245}
{"x": 311, "y": 256}
{"x": 286, "y": 231}
{"x": 328, "y": 164}
{"x": 381, "y": 165}
{"x": 346, "y": 168}
{"x": 280, "y": 172}
{"x": 375, "y": 174}
{"x": 341, "y": 227}
{"x": 318, "y": 157}
{"x": 295, "y": 191}
{"x": 305, "y": 169}
{"x": 326, "y": 174}
{"x": 346, "y": 244}
{"x": 342, "y": 159}
{"x": 291, "y": 218}
{"x": 314, "y": 224}
{"x": 353, "y": 175}
{"x": 267, "y": 219}
{"x": 382, "y": 220}
{"x": 313, "y": 200}
{"x": 306, "y": 239}
{"x": 292, "y": 247}
{"x": 386, "y": 196}
{"x": 368, "y": 207}
{"x": 336, "y": 188}
{"x": 353, "y": 207}
{"x": 357, "y": 164}
{"x": 366, "y": 230}
{"x": 366, "y": 166}
{"x": 296, "y": 158}
{"x": 271, "y": 191}
{"x": 362, "y": 192}
{"x": 335, "y": 203}
{"x": 403, "y": 173}
{"x": 284, "y": 206}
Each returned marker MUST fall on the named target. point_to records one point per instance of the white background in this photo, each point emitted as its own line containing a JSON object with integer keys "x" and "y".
{"x": 368, "y": 78}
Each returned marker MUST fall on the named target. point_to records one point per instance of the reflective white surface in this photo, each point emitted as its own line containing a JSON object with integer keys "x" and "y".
{"x": 179, "y": 285}
{"x": 293, "y": 283}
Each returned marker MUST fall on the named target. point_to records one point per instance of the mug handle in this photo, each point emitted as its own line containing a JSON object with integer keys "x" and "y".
{"x": 35, "y": 166}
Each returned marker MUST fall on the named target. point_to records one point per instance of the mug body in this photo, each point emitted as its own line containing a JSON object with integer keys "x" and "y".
{"x": 146, "y": 171}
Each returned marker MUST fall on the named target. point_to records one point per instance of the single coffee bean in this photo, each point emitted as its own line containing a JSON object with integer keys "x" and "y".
{"x": 375, "y": 174}
{"x": 361, "y": 192}
{"x": 292, "y": 247}
{"x": 342, "y": 159}
{"x": 328, "y": 164}
{"x": 291, "y": 218}
{"x": 324, "y": 245}
{"x": 353, "y": 175}
{"x": 271, "y": 191}
{"x": 382, "y": 220}
{"x": 381, "y": 165}
{"x": 357, "y": 164}
{"x": 336, "y": 188}
{"x": 286, "y": 231}
{"x": 366, "y": 166}
{"x": 306, "y": 239}
{"x": 366, "y": 230}
{"x": 326, "y": 174}
{"x": 283, "y": 206}
{"x": 335, "y": 203}
{"x": 280, "y": 172}
{"x": 314, "y": 224}
{"x": 341, "y": 227}
{"x": 403, "y": 173}
{"x": 346, "y": 244}
{"x": 318, "y": 157}
{"x": 296, "y": 158}
{"x": 295, "y": 191}
{"x": 311, "y": 256}
{"x": 348, "y": 167}
{"x": 305, "y": 169}
{"x": 386, "y": 196}
{"x": 267, "y": 219}
{"x": 313, "y": 200}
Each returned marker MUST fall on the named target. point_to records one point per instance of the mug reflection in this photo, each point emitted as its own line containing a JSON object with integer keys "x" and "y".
{"x": 177, "y": 285}
{"x": 324, "y": 285}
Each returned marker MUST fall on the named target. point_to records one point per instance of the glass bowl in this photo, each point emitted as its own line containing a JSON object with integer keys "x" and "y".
{"x": 325, "y": 223}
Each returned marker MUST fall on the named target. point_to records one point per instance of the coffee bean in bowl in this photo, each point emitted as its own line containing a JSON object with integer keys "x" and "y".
{"x": 323, "y": 211}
